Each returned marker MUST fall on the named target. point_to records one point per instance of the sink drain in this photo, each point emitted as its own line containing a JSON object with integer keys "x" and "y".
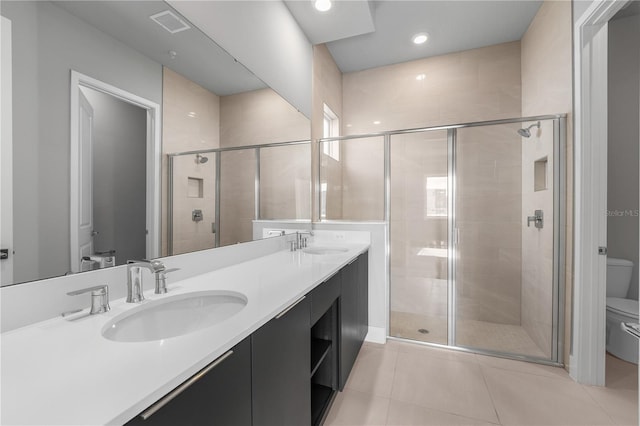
{"x": 423, "y": 331}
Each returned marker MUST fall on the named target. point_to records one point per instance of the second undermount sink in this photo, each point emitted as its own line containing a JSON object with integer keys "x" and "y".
{"x": 174, "y": 316}
{"x": 325, "y": 250}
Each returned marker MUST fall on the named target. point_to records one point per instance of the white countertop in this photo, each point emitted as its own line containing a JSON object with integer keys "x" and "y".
{"x": 62, "y": 371}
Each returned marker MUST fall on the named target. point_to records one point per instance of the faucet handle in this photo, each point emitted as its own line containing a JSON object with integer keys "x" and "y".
{"x": 161, "y": 279}
{"x": 99, "y": 298}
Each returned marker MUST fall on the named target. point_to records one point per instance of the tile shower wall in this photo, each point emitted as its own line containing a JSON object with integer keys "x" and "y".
{"x": 190, "y": 121}
{"x": 546, "y": 89}
{"x": 489, "y": 219}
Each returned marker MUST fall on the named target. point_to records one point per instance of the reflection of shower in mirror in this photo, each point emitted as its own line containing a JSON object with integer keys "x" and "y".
{"x": 201, "y": 159}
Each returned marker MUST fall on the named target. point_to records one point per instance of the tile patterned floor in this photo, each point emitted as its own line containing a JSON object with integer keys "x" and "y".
{"x": 406, "y": 384}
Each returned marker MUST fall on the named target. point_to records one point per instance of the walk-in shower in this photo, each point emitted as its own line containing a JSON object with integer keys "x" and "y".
{"x": 465, "y": 269}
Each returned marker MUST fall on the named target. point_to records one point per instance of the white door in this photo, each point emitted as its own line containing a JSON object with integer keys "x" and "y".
{"x": 85, "y": 183}
{"x": 6, "y": 156}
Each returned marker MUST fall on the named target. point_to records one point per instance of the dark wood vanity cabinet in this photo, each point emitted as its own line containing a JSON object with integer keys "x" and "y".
{"x": 288, "y": 371}
{"x": 353, "y": 314}
{"x": 220, "y": 396}
{"x": 281, "y": 385}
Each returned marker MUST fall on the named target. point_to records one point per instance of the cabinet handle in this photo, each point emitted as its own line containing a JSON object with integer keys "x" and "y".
{"x": 177, "y": 391}
{"x": 281, "y": 314}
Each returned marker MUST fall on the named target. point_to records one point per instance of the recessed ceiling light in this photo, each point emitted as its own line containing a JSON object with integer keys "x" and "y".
{"x": 322, "y": 5}
{"x": 421, "y": 77}
{"x": 376, "y": 122}
{"x": 420, "y": 38}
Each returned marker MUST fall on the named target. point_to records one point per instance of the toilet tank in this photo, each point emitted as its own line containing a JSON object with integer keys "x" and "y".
{"x": 618, "y": 277}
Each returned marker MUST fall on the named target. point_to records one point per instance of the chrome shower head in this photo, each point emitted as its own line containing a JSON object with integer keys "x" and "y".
{"x": 527, "y": 132}
{"x": 201, "y": 159}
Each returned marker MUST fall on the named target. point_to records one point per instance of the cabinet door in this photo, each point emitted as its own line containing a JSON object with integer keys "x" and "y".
{"x": 350, "y": 329}
{"x": 280, "y": 369}
{"x": 363, "y": 294}
{"x": 220, "y": 397}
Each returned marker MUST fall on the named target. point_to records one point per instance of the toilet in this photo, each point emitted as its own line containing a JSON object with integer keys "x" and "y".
{"x": 620, "y": 309}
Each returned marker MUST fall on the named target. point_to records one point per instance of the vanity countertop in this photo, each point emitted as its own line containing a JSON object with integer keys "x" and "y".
{"x": 62, "y": 371}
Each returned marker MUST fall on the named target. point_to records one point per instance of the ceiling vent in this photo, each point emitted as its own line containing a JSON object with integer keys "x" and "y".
{"x": 170, "y": 21}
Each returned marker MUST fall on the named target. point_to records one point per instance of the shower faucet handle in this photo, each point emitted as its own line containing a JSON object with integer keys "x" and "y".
{"x": 537, "y": 219}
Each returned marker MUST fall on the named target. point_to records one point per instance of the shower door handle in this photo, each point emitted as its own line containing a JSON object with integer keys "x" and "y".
{"x": 537, "y": 219}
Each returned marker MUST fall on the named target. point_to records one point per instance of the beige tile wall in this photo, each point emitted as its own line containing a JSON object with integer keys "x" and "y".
{"x": 285, "y": 182}
{"x": 537, "y": 244}
{"x": 190, "y": 121}
{"x": 473, "y": 85}
{"x": 547, "y": 89}
{"x": 489, "y": 218}
{"x": 258, "y": 117}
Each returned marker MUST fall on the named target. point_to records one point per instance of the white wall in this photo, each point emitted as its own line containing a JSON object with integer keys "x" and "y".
{"x": 48, "y": 43}
{"x": 623, "y": 136}
{"x": 264, "y": 37}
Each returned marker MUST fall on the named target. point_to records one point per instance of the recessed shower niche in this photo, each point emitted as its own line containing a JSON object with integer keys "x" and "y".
{"x": 540, "y": 174}
{"x": 194, "y": 187}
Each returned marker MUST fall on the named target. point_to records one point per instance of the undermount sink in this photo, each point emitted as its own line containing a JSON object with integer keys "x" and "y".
{"x": 324, "y": 250}
{"x": 174, "y": 316}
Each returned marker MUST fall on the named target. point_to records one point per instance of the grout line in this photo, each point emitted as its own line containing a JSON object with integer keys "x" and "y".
{"x": 597, "y": 403}
{"x": 486, "y": 384}
{"x": 393, "y": 381}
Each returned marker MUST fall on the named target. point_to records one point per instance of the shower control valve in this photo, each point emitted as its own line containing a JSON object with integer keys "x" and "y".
{"x": 537, "y": 219}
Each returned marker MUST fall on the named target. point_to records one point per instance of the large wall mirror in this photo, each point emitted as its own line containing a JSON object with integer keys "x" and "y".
{"x": 104, "y": 94}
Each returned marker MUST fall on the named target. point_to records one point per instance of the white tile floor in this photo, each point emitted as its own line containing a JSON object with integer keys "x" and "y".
{"x": 406, "y": 384}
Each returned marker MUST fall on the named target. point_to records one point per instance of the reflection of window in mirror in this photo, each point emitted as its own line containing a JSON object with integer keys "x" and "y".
{"x": 435, "y": 196}
{"x": 331, "y": 129}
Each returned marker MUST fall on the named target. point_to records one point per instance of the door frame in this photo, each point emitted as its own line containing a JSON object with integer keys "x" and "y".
{"x": 590, "y": 49}
{"x": 79, "y": 80}
{"x": 6, "y": 157}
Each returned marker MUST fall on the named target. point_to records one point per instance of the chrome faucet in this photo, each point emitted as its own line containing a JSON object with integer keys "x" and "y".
{"x": 134, "y": 278}
{"x": 300, "y": 241}
{"x": 99, "y": 299}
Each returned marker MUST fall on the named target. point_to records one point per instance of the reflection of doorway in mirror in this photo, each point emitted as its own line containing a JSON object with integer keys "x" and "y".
{"x": 6, "y": 156}
{"x": 115, "y": 187}
{"x": 115, "y": 168}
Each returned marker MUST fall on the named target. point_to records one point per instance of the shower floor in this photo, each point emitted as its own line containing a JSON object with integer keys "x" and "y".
{"x": 470, "y": 333}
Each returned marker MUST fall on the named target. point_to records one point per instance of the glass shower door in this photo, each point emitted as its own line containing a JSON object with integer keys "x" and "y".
{"x": 419, "y": 242}
{"x": 504, "y": 265}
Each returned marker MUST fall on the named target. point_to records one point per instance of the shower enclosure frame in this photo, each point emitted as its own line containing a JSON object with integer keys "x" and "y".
{"x": 217, "y": 153}
{"x": 559, "y": 224}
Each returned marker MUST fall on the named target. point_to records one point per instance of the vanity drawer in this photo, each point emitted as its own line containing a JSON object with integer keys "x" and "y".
{"x": 323, "y": 296}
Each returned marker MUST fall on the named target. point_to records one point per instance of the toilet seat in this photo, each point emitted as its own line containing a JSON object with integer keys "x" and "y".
{"x": 626, "y": 307}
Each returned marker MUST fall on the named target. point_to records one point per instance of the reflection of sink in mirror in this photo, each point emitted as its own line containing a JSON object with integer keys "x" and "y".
{"x": 174, "y": 316}
{"x": 324, "y": 250}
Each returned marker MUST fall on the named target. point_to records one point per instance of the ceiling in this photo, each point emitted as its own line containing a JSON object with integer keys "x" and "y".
{"x": 452, "y": 26}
